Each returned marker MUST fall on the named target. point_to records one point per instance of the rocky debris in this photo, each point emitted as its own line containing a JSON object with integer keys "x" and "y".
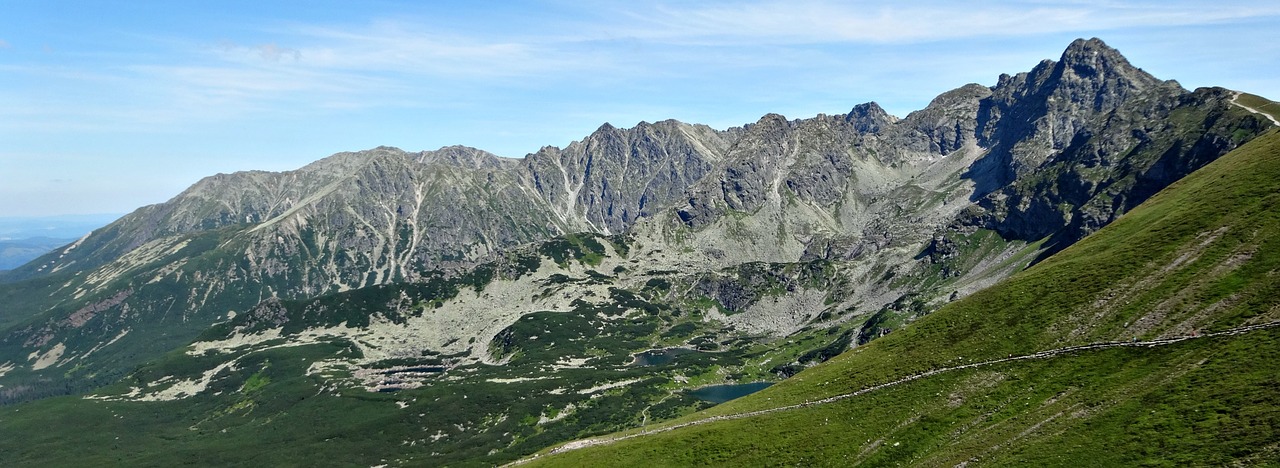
{"x": 617, "y": 176}
{"x": 266, "y": 315}
{"x": 1056, "y": 152}
{"x": 82, "y": 315}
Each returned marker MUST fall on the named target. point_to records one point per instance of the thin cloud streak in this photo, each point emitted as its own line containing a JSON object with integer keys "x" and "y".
{"x": 343, "y": 67}
{"x": 280, "y": 92}
{"x": 401, "y": 48}
{"x": 793, "y": 22}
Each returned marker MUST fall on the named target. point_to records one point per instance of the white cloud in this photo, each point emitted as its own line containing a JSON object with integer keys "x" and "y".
{"x": 302, "y": 68}
{"x": 511, "y": 83}
{"x": 413, "y": 62}
{"x": 276, "y": 53}
{"x": 399, "y": 47}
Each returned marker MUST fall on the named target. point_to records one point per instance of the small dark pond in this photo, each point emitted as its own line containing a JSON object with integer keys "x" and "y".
{"x": 658, "y": 357}
{"x": 721, "y": 393}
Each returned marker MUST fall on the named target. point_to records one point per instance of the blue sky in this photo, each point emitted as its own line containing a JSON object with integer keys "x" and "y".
{"x": 107, "y": 106}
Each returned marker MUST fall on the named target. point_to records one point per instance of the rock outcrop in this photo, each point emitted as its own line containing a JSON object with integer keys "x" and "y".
{"x": 903, "y": 205}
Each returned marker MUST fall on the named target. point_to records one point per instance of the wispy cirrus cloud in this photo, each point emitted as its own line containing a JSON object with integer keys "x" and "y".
{"x": 403, "y": 48}
{"x": 293, "y": 67}
{"x": 275, "y": 53}
{"x": 298, "y": 67}
{"x": 875, "y": 22}
{"x": 268, "y": 84}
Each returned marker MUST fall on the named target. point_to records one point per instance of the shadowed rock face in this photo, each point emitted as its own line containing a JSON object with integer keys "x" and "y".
{"x": 1065, "y": 148}
{"x": 1089, "y": 110}
{"x": 1075, "y": 143}
{"x": 1056, "y": 152}
{"x": 615, "y": 176}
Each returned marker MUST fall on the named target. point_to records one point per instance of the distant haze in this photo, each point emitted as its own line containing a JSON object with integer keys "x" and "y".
{"x": 22, "y": 239}
{"x": 53, "y": 227}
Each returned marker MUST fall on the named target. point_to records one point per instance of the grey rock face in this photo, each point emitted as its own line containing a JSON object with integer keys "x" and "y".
{"x": 616, "y": 176}
{"x": 945, "y": 125}
{"x": 869, "y": 118}
{"x": 1055, "y": 152}
{"x": 397, "y": 213}
{"x": 381, "y": 215}
{"x": 1066, "y": 147}
{"x": 1075, "y": 143}
{"x": 810, "y": 158}
{"x": 1031, "y": 115}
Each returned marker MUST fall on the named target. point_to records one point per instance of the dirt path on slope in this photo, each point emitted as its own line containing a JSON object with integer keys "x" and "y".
{"x": 584, "y": 443}
{"x": 1255, "y": 111}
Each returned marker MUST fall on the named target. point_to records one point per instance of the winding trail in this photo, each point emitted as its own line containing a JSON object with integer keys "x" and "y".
{"x": 1234, "y": 101}
{"x": 584, "y": 443}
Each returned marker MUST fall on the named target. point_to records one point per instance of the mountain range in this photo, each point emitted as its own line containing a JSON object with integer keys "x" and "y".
{"x": 455, "y": 307}
{"x": 1152, "y": 342}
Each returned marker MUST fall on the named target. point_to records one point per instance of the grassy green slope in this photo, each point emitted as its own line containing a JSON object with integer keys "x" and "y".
{"x": 1201, "y": 256}
{"x": 1204, "y": 402}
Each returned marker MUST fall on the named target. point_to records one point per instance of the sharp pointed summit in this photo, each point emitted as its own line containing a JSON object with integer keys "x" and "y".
{"x": 1095, "y": 74}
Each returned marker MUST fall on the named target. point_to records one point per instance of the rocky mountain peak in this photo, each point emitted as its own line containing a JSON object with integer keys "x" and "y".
{"x": 606, "y": 128}
{"x": 618, "y": 175}
{"x": 1044, "y": 109}
{"x": 1058, "y": 151}
{"x": 869, "y": 117}
{"x": 1108, "y": 77}
{"x": 1092, "y": 56}
{"x": 463, "y": 156}
{"x": 772, "y": 119}
{"x": 945, "y": 124}
{"x": 1089, "y": 73}
{"x": 963, "y": 96}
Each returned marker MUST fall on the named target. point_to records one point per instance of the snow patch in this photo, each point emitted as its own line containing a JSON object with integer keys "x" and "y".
{"x": 185, "y": 388}
{"x": 49, "y": 357}
{"x": 235, "y": 341}
{"x": 571, "y": 363}
{"x": 598, "y": 388}
{"x": 511, "y": 380}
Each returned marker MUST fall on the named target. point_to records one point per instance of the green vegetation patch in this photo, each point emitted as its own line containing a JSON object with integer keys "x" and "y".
{"x": 1261, "y": 104}
{"x": 1203, "y": 402}
{"x": 1198, "y": 257}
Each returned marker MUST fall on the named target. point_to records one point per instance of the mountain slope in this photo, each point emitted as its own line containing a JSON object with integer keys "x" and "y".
{"x": 386, "y": 289}
{"x": 1198, "y": 258}
{"x": 615, "y": 177}
{"x": 160, "y": 275}
{"x": 17, "y": 252}
{"x": 917, "y": 210}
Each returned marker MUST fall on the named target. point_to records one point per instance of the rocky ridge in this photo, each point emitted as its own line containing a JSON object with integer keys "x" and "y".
{"x": 903, "y": 208}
